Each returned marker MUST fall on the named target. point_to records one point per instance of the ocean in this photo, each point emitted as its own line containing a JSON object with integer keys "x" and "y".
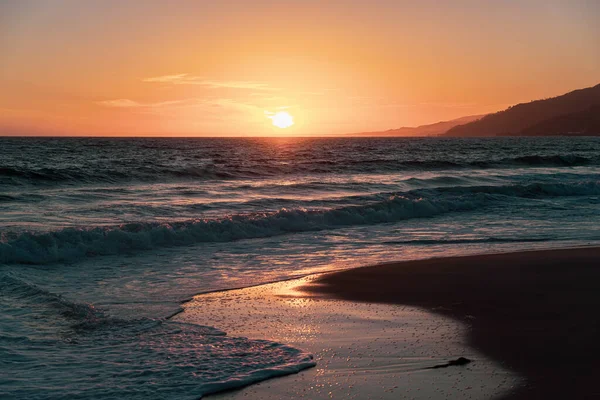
{"x": 102, "y": 239}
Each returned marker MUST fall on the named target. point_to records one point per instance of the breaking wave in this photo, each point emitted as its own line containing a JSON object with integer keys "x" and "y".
{"x": 72, "y": 244}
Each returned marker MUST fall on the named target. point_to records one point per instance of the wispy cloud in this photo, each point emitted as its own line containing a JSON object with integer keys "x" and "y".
{"x": 119, "y": 103}
{"x": 449, "y": 105}
{"x": 127, "y": 103}
{"x": 238, "y": 85}
{"x": 176, "y": 79}
{"x": 172, "y": 107}
{"x": 186, "y": 79}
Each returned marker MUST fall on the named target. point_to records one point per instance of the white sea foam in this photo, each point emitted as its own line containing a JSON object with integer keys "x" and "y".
{"x": 103, "y": 357}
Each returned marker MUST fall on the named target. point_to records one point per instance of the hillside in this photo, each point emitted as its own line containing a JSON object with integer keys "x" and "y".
{"x": 580, "y": 123}
{"x": 435, "y": 129}
{"x": 567, "y": 113}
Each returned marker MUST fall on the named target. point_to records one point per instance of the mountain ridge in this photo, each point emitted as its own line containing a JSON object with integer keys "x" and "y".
{"x": 434, "y": 129}
{"x": 573, "y": 113}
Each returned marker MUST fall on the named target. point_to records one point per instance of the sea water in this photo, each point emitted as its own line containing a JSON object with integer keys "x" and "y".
{"x": 101, "y": 239}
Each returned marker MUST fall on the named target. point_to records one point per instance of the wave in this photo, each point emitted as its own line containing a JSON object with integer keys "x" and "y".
{"x": 22, "y": 197}
{"x": 383, "y": 164}
{"x": 81, "y": 316}
{"x": 555, "y": 160}
{"x": 5, "y": 198}
{"x": 71, "y": 244}
{"x": 267, "y": 168}
{"x": 23, "y": 291}
{"x": 14, "y": 175}
{"x": 533, "y": 190}
{"x": 80, "y": 352}
{"x": 466, "y": 241}
{"x": 167, "y": 360}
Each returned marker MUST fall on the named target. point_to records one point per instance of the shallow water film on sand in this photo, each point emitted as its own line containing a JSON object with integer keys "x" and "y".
{"x": 100, "y": 240}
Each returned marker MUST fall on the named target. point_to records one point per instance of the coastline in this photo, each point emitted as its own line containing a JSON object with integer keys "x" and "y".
{"x": 534, "y": 312}
{"x": 362, "y": 350}
{"x": 526, "y": 319}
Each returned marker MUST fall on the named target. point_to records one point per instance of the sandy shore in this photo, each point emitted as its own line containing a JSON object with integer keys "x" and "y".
{"x": 362, "y": 350}
{"x": 534, "y": 312}
{"x": 528, "y": 320}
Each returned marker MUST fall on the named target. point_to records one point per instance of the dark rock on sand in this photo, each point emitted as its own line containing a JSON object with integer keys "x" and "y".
{"x": 458, "y": 361}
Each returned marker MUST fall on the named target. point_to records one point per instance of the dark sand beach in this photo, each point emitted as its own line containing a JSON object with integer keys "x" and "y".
{"x": 536, "y": 313}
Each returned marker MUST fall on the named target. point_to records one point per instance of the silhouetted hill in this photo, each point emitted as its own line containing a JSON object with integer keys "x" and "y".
{"x": 531, "y": 118}
{"x": 424, "y": 130}
{"x": 580, "y": 123}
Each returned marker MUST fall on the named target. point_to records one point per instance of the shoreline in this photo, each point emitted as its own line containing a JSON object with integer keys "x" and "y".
{"x": 535, "y": 312}
{"x": 362, "y": 350}
{"x": 191, "y": 297}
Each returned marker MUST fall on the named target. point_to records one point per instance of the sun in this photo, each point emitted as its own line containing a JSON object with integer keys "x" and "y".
{"x": 282, "y": 119}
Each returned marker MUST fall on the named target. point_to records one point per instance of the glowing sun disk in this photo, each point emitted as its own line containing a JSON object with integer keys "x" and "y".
{"x": 282, "y": 119}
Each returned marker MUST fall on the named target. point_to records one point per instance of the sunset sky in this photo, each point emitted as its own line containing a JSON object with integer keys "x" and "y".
{"x": 212, "y": 68}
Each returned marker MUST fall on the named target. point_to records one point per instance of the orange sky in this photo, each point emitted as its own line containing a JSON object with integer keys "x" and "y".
{"x": 212, "y": 68}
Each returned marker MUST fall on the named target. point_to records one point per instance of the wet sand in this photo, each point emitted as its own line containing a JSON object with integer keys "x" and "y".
{"x": 362, "y": 350}
{"x": 536, "y": 313}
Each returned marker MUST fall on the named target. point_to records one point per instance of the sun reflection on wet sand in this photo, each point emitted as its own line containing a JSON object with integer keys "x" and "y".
{"x": 362, "y": 350}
